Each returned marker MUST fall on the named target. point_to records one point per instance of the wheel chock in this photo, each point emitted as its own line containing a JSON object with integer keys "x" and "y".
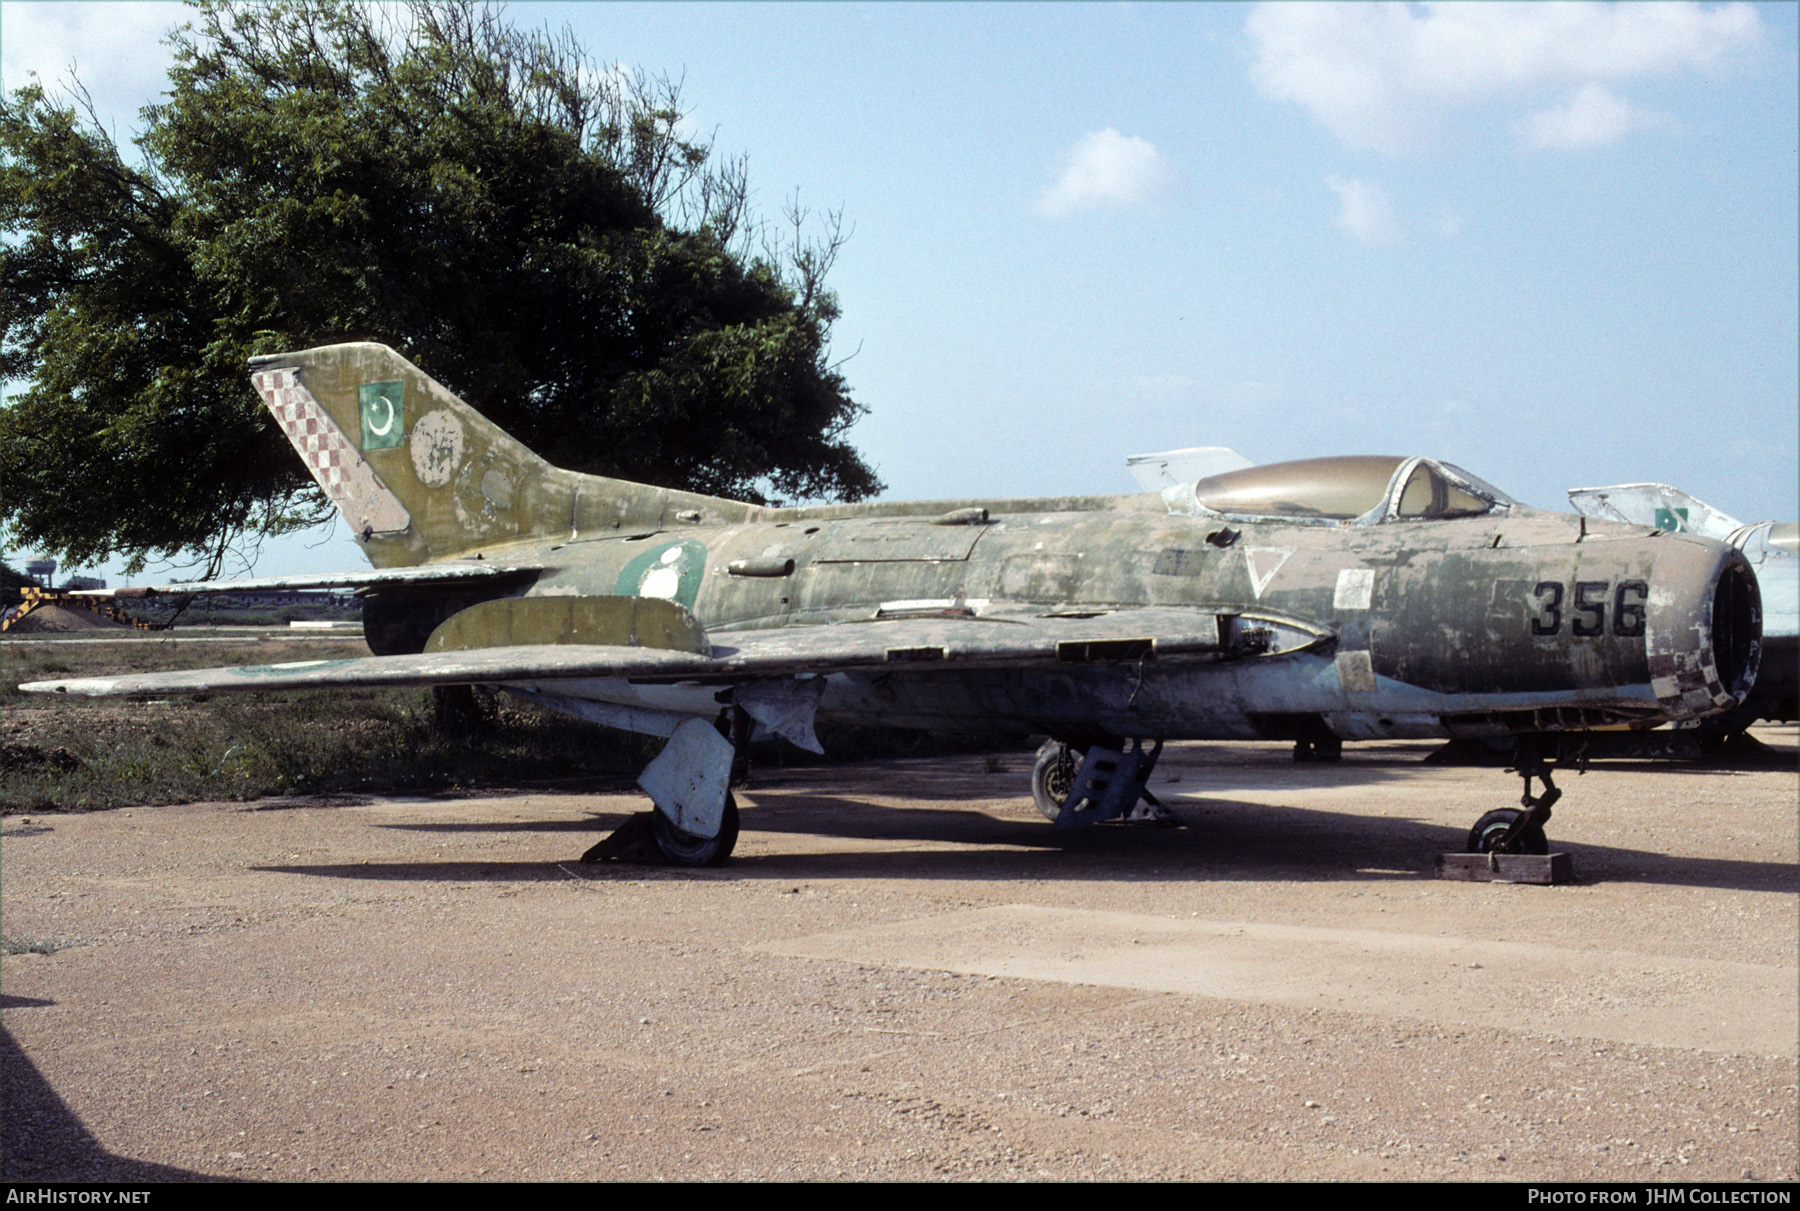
{"x": 633, "y": 841}
{"x": 1506, "y": 868}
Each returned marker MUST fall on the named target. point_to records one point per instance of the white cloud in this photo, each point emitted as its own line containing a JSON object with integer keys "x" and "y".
{"x": 1107, "y": 169}
{"x": 1593, "y": 117}
{"x": 115, "y": 50}
{"x": 1365, "y": 211}
{"x": 1389, "y": 76}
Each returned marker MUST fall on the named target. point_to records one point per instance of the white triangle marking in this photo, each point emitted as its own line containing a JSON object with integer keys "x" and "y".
{"x": 1270, "y": 559}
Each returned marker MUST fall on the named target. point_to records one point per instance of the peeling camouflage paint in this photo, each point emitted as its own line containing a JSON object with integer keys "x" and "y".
{"x": 1149, "y": 615}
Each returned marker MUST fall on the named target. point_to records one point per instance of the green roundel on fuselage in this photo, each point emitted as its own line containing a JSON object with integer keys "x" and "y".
{"x": 670, "y": 571}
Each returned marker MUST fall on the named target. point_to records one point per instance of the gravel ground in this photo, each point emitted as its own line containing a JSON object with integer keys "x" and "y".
{"x": 905, "y": 973}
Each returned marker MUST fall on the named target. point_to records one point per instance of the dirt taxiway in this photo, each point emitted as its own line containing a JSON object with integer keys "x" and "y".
{"x": 905, "y": 973}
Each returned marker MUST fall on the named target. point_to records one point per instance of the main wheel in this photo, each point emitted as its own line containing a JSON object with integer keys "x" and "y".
{"x": 686, "y": 849}
{"x": 1484, "y": 838}
{"x": 1053, "y": 776}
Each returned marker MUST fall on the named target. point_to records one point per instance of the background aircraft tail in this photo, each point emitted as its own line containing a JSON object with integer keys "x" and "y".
{"x": 1154, "y": 472}
{"x": 1657, "y": 505}
{"x": 420, "y": 475}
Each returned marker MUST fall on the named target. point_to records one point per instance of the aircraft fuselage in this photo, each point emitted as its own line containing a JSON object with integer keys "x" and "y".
{"x": 1486, "y": 625}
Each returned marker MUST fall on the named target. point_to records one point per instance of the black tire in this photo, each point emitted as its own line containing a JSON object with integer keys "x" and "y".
{"x": 1052, "y": 777}
{"x": 685, "y": 849}
{"x": 1485, "y": 836}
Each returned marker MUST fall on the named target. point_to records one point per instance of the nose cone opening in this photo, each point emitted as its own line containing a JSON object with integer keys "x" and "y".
{"x": 1705, "y": 647}
{"x": 1737, "y": 628}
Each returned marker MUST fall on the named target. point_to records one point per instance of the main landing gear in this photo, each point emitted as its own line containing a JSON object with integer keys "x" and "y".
{"x": 695, "y": 818}
{"x": 653, "y": 839}
{"x": 1085, "y": 782}
{"x": 687, "y": 849}
{"x": 1098, "y": 780}
{"x": 695, "y": 821}
{"x": 1052, "y": 776}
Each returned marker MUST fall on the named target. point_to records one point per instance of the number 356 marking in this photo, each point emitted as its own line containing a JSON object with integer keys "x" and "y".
{"x": 1588, "y": 603}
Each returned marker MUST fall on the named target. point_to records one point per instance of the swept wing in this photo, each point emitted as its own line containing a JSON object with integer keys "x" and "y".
{"x": 1124, "y": 636}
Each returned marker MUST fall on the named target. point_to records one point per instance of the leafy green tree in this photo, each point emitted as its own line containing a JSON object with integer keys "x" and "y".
{"x": 525, "y": 224}
{"x": 11, "y": 581}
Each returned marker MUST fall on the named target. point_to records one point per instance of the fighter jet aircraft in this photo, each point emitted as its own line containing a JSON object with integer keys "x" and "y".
{"x": 1349, "y": 598}
{"x": 1773, "y": 550}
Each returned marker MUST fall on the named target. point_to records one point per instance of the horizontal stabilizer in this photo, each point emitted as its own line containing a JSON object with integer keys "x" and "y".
{"x": 922, "y": 645}
{"x": 450, "y": 573}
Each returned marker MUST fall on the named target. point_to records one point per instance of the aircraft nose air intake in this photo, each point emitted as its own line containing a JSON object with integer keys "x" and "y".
{"x": 1703, "y": 637}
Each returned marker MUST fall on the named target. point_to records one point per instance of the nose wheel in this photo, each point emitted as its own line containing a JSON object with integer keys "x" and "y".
{"x": 1499, "y": 832}
{"x": 1509, "y": 831}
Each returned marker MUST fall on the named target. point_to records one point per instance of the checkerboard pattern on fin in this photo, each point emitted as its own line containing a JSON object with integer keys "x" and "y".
{"x": 346, "y": 476}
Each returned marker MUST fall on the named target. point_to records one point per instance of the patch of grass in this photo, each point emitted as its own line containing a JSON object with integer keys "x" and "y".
{"x": 18, "y": 946}
{"x": 75, "y": 754}
{"x": 245, "y": 748}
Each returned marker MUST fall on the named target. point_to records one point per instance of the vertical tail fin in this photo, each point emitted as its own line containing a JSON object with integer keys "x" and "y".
{"x": 1657, "y": 505}
{"x": 419, "y": 475}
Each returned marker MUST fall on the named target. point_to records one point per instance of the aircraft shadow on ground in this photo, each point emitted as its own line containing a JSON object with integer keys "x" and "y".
{"x": 603, "y": 821}
{"x": 1712, "y": 767}
{"x": 1219, "y": 838}
{"x": 47, "y": 1142}
{"x": 960, "y": 778}
{"x": 938, "y": 780}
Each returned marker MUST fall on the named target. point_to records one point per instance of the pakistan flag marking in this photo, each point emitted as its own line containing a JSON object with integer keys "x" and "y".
{"x": 383, "y": 418}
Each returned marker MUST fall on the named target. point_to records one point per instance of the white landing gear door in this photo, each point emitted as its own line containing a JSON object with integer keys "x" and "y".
{"x": 691, "y": 777}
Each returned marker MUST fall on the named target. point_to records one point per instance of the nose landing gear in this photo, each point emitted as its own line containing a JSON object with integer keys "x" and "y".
{"x": 1500, "y": 832}
{"x": 1519, "y": 832}
{"x": 1509, "y": 845}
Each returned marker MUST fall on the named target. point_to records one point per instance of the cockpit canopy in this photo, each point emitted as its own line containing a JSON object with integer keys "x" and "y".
{"x": 1361, "y": 488}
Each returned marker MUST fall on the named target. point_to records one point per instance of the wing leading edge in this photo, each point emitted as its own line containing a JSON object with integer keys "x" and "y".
{"x": 1125, "y": 636}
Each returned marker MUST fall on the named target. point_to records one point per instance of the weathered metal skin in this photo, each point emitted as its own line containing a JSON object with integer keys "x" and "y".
{"x": 1770, "y": 547}
{"x": 1433, "y": 634}
{"x": 1152, "y": 615}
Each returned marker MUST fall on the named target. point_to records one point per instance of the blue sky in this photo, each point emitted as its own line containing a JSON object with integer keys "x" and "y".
{"x": 1555, "y": 244}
